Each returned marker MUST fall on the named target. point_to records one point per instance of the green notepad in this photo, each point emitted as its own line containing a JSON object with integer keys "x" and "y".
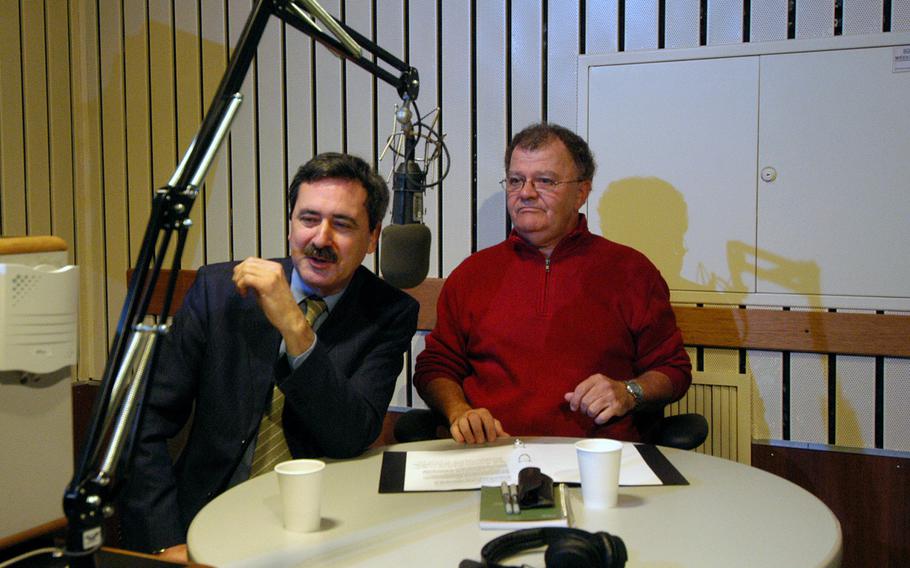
{"x": 493, "y": 514}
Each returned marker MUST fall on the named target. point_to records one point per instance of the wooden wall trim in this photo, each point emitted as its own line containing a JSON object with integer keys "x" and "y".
{"x": 809, "y": 332}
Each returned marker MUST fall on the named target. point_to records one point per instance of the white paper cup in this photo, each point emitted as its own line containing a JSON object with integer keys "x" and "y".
{"x": 300, "y": 483}
{"x": 598, "y": 464}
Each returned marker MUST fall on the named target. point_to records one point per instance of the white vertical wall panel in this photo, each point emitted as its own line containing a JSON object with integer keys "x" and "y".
{"x": 328, "y": 92}
{"x": 862, "y": 17}
{"x": 562, "y": 63}
{"x": 601, "y": 26}
{"x": 360, "y": 136}
{"x": 298, "y": 50}
{"x": 641, "y": 24}
{"x": 809, "y": 397}
{"x": 855, "y": 408}
{"x": 768, "y": 20}
{"x": 189, "y": 113}
{"x": 527, "y": 63}
{"x": 389, "y": 36}
{"x": 217, "y": 188}
{"x": 767, "y": 417}
{"x": 897, "y": 404}
{"x": 900, "y": 15}
{"x": 271, "y": 110}
{"x": 244, "y": 199}
{"x": 725, "y": 21}
{"x": 814, "y": 18}
{"x": 454, "y": 193}
{"x": 681, "y": 23}
{"x": 491, "y": 110}
{"x": 423, "y": 56}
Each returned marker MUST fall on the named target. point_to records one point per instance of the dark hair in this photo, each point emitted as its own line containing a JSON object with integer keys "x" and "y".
{"x": 344, "y": 166}
{"x": 538, "y": 135}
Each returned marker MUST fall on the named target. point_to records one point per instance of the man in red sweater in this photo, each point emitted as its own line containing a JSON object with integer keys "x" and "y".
{"x": 555, "y": 331}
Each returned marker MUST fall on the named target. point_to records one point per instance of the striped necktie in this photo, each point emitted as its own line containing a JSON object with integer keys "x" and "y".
{"x": 271, "y": 446}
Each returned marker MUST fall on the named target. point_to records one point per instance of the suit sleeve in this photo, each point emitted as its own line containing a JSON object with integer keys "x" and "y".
{"x": 151, "y": 517}
{"x": 335, "y": 402}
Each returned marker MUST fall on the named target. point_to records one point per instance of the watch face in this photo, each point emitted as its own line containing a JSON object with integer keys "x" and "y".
{"x": 635, "y": 390}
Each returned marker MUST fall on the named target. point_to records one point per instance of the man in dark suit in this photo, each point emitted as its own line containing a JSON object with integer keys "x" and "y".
{"x": 241, "y": 332}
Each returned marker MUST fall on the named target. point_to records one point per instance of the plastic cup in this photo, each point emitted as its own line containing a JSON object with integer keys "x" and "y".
{"x": 598, "y": 464}
{"x": 300, "y": 483}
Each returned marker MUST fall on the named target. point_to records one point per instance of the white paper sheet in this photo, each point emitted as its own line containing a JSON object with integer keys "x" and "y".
{"x": 470, "y": 468}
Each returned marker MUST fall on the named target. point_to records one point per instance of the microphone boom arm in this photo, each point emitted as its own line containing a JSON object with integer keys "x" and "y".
{"x": 105, "y": 458}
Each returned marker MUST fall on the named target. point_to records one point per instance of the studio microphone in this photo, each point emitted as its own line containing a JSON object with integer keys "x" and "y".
{"x": 405, "y": 244}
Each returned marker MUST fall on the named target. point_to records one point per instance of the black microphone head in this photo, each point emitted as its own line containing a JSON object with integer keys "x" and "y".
{"x": 405, "y": 254}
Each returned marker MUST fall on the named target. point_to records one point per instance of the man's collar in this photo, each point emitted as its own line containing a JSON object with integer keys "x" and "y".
{"x": 301, "y": 290}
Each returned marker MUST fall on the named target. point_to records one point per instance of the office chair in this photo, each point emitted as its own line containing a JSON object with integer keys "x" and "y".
{"x": 682, "y": 431}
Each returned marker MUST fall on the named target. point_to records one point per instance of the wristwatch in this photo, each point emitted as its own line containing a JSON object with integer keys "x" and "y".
{"x": 635, "y": 390}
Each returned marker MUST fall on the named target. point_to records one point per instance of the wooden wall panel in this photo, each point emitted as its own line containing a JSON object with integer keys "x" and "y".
{"x": 35, "y": 110}
{"x": 60, "y": 126}
{"x": 12, "y": 136}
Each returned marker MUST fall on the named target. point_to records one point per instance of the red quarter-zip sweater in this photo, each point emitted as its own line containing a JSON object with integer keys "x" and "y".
{"x": 518, "y": 330}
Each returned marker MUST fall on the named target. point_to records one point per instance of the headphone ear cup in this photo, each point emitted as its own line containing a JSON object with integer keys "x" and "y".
{"x": 614, "y": 549}
{"x": 574, "y": 550}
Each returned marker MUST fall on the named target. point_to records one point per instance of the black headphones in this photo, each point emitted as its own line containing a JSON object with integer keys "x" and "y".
{"x": 566, "y": 548}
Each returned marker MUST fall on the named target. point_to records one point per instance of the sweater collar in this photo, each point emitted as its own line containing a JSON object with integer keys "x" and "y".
{"x": 575, "y": 237}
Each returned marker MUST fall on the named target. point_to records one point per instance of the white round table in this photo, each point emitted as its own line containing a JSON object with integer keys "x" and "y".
{"x": 729, "y": 515}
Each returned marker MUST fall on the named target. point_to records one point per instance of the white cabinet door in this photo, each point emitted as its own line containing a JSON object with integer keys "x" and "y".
{"x": 835, "y": 127}
{"x": 676, "y": 145}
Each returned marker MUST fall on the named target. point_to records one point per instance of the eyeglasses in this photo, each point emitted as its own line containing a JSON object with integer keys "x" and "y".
{"x": 514, "y": 184}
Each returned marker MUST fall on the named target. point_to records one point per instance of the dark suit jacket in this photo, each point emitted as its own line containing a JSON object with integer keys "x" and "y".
{"x": 218, "y": 363}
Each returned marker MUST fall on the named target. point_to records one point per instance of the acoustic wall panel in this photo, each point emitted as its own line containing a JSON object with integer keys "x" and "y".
{"x": 725, "y": 22}
{"x": 113, "y": 132}
{"x": 217, "y": 186}
{"x": 855, "y": 402}
{"x": 60, "y": 133}
{"x": 814, "y": 19}
{"x": 35, "y": 107}
{"x": 490, "y": 107}
{"x": 862, "y": 17}
{"x": 641, "y": 24}
{"x": 601, "y": 26}
{"x": 767, "y": 407}
{"x": 189, "y": 109}
{"x": 424, "y": 55}
{"x": 454, "y": 195}
{"x": 526, "y": 56}
{"x": 682, "y": 24}
{"x": 896, "y": 408}
{"x": 768, "y": 20}
{"x": 12, "y": 137}
{"x": 244, "y": 181}
{"x": 562, "y": 63}
{"x": 808, "y": 390}
{"x": 271, "y": 110}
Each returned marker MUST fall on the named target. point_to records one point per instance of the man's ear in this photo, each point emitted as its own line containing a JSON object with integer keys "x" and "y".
{"x": 374, "y": 238}
{"x": 584, "y": 190}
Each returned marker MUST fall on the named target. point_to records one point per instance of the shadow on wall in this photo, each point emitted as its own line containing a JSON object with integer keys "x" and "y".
{"x": 652, "y": 216}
